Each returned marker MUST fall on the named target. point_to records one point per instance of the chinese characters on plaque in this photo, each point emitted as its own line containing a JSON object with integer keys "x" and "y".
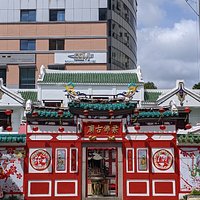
{"x": 73, "y": 160}
{"x": 102, "y": 129}
{"x": 130, "y": 160}
{"x": 40, "y": 159}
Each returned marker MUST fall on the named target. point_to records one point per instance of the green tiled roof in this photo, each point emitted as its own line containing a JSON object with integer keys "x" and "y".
{"x": 49, "y": 113}
{"x": 29, "y": 95}
{"x": 189, "y": 139}
{"x": 151, "y": 96}
{"x": 100, "y": 106}
{"x": 119, "y": 78}
{"x": 156, "y": 114}
{"x": 12, "y": 138}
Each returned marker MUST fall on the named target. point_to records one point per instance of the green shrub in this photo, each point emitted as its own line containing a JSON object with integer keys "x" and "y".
{"x": 195, "y": 192}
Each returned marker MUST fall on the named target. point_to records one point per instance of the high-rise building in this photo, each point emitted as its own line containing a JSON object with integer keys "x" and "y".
{"x": 65, "y": 34}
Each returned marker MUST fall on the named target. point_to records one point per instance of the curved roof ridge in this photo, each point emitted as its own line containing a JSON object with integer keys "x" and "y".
{"x": 91, "y": 71}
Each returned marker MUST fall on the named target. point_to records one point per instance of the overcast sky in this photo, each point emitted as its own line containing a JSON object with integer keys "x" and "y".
{"x": 167, "y": 42}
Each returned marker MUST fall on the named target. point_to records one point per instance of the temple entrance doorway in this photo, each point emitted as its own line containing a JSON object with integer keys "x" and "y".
{"x": 102, "y": 171}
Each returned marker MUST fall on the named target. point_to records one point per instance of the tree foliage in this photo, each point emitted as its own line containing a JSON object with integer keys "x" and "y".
{"x": 150, "y": 85}
{"x": 196, "y": 86}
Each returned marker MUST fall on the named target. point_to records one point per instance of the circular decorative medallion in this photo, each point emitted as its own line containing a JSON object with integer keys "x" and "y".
{"x": 162, "y": 159}
{"x": 40, "y": 160}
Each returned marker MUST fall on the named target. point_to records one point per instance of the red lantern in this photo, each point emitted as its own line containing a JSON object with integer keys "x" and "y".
{"x": 35, "y": 128}
{"x": 188, "y": 126}
{"x": 161, "y": 110}
{"x": 61, "y": 129}
{"x": 136, "y": 111}
{"x": 137, "y": 127}
{"x": 162, "y": 127}
{"x": 111, "y": 112}
{"x": 187, "y": 110}
{"x": 9, "y": 128}
{"x": 60, "y": 113}
{"x": 8, "y": 112}
{"x": 85, "y": 112}
{"x": 34, "y": 114}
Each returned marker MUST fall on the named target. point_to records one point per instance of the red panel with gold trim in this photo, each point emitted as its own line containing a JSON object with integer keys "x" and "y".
{"x": 102, "y": 128}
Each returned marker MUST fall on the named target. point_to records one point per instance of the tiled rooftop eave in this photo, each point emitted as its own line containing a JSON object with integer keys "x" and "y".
{"x": 151, "y": 96}
{"x": 99, "y": 108}
{"x": 15, "y": 139}
{"x": 48, "y": 114}
{"x": 26, "y": 95}
{"x": 64, "y": 83}
{"x": 90, "y": 78}
{"x": 188, "y": 139}
{"x": 156, "y": 114}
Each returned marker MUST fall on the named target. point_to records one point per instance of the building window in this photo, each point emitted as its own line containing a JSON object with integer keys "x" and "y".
{"x": 27, "y": 77}
{"x": 28, "y": 16}
{"x": 56, "y": 44}
{"x": 5, "y": 121}
{"x": 102, "y": 14}
{"x": 27, "y": 44}
{"x": 3, "y": 75}
{"x": 57, "y": 15}
{"x": 56, "y": 67}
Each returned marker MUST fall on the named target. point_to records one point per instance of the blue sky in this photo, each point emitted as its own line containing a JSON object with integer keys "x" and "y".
{"x": 167, "y": 42}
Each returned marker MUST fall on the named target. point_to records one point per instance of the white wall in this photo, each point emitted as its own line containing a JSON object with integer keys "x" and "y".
{"x": 56, "y": 92}
{"x": 195, "y": 115}
{"x": 189, "y": 101}
{"x": 17, "y": 118}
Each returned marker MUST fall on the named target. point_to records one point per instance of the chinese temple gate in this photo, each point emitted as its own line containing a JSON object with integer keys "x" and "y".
{"x": 63, "y": 144}
{"x": 102, "y": 149}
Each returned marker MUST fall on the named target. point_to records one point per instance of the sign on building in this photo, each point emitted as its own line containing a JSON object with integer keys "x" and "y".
{"x": 80, "y": 57}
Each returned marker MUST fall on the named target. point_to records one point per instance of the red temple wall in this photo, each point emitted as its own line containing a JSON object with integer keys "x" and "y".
{"x": 52, "y": 180}
{"x": 150, "y": 177}
{"x": 150, "y": 164}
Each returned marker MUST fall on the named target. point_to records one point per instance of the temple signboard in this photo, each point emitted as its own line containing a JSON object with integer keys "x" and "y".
{"x": 101, "y": 129}
{"x": 80, "y": 57}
